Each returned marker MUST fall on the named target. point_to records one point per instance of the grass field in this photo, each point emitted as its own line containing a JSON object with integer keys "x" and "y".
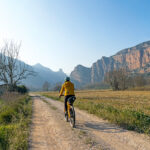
{"x": 15, "y": 116}
{"x": 129, "y": 109}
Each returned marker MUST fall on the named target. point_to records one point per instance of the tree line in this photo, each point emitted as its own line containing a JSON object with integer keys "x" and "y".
{"x": 121, "y": 79}
{"x": 49, "y": 87}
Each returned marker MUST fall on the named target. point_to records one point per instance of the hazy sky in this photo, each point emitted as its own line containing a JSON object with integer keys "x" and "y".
{"x": 64, "y": 33}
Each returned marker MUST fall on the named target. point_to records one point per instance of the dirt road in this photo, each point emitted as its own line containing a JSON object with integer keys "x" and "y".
{"x": 49, "y": 131}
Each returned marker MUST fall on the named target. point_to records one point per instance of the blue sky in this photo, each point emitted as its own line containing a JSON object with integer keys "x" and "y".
{"x": 65, "y": 33}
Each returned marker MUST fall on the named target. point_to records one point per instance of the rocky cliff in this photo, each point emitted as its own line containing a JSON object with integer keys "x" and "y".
{"x": 135, "y": 59}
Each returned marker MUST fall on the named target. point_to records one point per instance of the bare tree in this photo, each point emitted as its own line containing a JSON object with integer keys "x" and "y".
{"x": 111, "y": 79}
{"x": 117, "y": 79}
{"x": 123, "y": 78}
{"x": 139, "y": 81}
{"x": 46, "y": 86}
{"x": 131, "y": 81}
{"x": 57, "y": 86}
{"x": 12, "y": 71}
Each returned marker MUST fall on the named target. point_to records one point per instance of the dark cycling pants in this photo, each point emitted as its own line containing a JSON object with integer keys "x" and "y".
{"x": 65, "y": 101}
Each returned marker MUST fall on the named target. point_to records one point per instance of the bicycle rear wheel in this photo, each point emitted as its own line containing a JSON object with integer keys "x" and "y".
{"x": 72, "y": 117}
{"x": 66, "y": 117}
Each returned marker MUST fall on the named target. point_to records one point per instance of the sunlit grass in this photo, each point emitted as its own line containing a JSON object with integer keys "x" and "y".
{"x": 129, "y": 109}
{"x": 15, "y": 116}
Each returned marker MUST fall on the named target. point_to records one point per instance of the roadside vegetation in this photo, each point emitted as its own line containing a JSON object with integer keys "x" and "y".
{"x": 128, "y": 109}
{"x": 121, "y": 79}
{"x": 15, "y": 116}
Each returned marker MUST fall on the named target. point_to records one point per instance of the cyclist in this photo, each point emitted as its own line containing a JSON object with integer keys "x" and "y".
{"x": 68, "y": 87}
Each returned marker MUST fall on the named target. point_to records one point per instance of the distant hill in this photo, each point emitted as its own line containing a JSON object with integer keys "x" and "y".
{"x": 43, "y": 74}
{"x": 135, "y": 59}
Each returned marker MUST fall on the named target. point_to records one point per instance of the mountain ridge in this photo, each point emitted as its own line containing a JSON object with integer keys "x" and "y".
{"x": 43, "y": 74}
{"x": 134, "y": 59}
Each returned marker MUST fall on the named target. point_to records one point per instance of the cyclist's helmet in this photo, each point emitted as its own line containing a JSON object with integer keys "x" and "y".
{"x": 67, "y": 79}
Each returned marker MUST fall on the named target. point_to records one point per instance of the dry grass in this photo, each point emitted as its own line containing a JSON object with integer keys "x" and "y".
{"x": 129, "y": 109}
{"x": 136, "y": 100}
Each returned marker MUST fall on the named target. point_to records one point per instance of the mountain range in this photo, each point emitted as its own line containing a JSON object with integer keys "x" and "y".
{"x": 43, "y": 74}
{"x": 135, "y": 59}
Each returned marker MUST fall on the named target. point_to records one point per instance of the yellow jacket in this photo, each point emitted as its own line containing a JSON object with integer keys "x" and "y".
{"x": 68, "y": 87}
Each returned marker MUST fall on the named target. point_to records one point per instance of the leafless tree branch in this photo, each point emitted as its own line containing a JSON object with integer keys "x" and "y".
{"x": 12, "y": 71}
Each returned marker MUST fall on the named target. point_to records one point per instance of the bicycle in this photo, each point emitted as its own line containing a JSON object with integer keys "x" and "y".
{"x": 70, "y": 116}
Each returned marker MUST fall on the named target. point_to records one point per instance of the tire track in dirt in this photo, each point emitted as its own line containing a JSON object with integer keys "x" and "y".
{"x": 101, "y": 132}
{"x": 49, "y": 131}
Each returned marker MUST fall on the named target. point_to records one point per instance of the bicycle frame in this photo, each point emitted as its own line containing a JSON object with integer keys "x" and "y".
{"x": 70, "y": 116}
{"x": 68, "y": 108}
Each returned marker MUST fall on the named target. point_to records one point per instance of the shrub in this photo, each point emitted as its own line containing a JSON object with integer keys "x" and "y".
{"x": 15, "y": 117}
{"x": 7, "y": 116}
{"x": 5, "y": 133}
{"x": 22, "y": 89}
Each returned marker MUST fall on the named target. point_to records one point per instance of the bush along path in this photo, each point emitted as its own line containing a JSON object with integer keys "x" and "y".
{"x": 15, "y": 117}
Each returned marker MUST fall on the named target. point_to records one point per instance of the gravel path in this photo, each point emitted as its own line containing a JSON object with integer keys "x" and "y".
{"x": 49, "y": 131}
